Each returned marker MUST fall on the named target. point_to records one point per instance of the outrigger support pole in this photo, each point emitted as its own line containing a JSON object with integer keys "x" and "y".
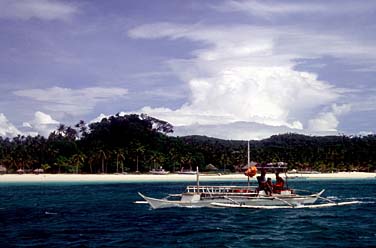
{"x": 236, "y": 202}
{"x": 287, "y": 184}
{"x": 279, "y": 199}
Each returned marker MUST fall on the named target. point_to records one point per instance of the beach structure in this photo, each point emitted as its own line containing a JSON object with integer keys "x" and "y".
{"x": 186, "y": 172}
{"x": 211, "y": 167}
{"x": 3, "y": 169}
{"x": 159, "y": 171}
{"x": 38, "y": 171}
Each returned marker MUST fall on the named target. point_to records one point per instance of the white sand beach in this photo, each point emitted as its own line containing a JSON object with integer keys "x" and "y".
{"x": 9, "y": 178}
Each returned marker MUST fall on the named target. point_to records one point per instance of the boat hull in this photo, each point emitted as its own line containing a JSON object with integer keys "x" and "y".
{"x": 196, "y": 201}
{"x": 163, "y": 203}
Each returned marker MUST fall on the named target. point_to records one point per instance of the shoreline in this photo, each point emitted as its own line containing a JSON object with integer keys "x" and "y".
{"x": 26, "y": 178}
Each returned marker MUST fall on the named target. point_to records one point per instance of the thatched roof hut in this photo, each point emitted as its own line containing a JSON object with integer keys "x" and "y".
{"x": 211, "y": 167}
{"x": 37, "y": 171}
{"x": 252, "y": 163}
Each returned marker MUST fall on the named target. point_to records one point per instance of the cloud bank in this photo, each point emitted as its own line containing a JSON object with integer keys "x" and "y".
{"x": 248, "y": 74}
{"x": 42, "y": 124}
{"x": 245, "y": 69}
{"x": 74, "y": 102}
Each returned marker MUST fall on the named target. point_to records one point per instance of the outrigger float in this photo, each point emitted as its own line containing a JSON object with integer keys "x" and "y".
{"x": 241, "y": 196}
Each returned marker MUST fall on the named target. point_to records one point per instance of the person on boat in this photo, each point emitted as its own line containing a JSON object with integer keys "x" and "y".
{"x": 262, "y": 179}
{"x": 269, "y": 186}
{"x": 279, "y": 184}
{"x": 262, "y": 182}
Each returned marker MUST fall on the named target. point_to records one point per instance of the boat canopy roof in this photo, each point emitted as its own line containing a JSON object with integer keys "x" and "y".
{"x": 277, "y": 166}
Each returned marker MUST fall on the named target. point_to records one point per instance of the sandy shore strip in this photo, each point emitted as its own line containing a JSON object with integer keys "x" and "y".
{"x": 9, "y": 178}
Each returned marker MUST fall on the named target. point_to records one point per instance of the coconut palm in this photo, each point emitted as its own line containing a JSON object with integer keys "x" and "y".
{"x": 103, "y": 157}
{"x": 92, "y": 157}
{"x": 78, "y": 159}
{"x": 119, "y": 158}
{"x": 137, "y": 149}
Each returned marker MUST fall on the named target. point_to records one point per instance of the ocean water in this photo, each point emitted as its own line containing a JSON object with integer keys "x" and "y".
{"x": 103, "y": 215}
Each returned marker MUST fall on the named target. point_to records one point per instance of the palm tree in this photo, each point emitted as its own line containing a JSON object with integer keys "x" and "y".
{"x": 91, "y": 160}
{"x": 187, "y": 160}
{"x": 138, "y": 149}
{"x": 82, "y": 128}
{"x": 156, "y": 158}
{"x": 52, "y": 153}
{"x": 71, "y": 133}
{"x": 61, "y": 129}
{"x": 78, "y": 159}
{"x": 173, "y": 154}
{"x": 125, "y": 154}
{"x": 103, "y": 156}
{"x": 119, "y": 157}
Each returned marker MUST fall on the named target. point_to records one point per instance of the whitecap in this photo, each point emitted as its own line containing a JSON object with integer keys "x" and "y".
{"x": 50, "y": 213}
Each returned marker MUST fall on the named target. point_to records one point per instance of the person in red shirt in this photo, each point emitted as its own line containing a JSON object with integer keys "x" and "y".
{"x": 280, "y": 183}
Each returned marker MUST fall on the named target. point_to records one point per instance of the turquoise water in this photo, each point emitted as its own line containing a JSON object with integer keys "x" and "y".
{"x": 103, "y": 215}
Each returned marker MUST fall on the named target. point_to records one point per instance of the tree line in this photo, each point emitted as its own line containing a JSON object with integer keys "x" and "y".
{"x": 134, "y": 143}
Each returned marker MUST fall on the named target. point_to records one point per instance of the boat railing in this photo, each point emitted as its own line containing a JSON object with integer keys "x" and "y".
{"x": 219, "y": 189}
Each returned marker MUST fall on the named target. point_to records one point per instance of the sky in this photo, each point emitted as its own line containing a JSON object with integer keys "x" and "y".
{"x": 222, "y": 68}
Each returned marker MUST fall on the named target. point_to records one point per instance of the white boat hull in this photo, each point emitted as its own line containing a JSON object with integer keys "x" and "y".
{"x": 163, "y": 203}
{"x": 194, "y": 200}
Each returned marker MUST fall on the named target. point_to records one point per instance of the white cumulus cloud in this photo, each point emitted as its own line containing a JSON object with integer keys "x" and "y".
{"x": 7, "y": 129}
{"x": 328, "y": 121}
{"x": 247, "y": 74}
{"x": 42, "y": 124}
{"x": 99, "y": 118}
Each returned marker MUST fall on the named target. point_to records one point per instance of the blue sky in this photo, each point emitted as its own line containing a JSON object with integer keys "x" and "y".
{"x": 227, "y": 69}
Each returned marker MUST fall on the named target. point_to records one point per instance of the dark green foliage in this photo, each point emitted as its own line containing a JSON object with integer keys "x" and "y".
{"x": 140, "y": 142}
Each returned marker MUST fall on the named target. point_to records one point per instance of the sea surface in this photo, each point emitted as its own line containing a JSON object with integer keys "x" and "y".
{"x": 104, "y": 215}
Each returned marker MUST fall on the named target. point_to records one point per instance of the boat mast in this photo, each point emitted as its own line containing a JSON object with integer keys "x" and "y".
{"x": 197, "y": 179}
{"x": 248, "y": 161}
{"x": 248, "y": 155}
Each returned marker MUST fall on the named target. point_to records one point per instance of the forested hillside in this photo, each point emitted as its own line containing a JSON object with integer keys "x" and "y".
{"x": 139, "y": 142}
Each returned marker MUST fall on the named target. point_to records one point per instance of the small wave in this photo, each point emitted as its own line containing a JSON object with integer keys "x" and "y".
{"x": 50, "y": 213}
{"x": 361, "y": 198}
{"x": 333, "y": 198}
{"x": 365, "y": 200}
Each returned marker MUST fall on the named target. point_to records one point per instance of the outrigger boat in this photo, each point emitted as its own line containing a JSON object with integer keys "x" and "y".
{"x": 229, "y": 196}
{"x": 240, "y": 196}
